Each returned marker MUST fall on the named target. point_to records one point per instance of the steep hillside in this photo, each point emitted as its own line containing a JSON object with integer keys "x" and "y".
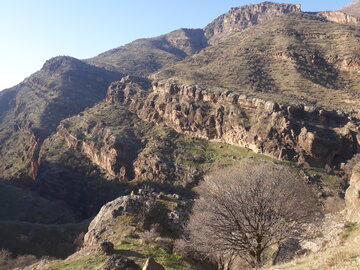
{"x": 353, "y": 8}
{"x": 240, "y": 18}
{"x": 297, "y": 58}
{"x": 265, "y": 82}
{"x": 32, "y": 110}
{"x": 145, "y": 56}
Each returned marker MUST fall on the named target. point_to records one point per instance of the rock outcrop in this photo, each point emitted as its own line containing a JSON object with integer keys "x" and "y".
{"x": 113, "y": 155}
{"x": 296, "y": 133}
{"x": 240, "y": 18}
{"x": 339, "y": 17}
{"x": 352, "y": 196}
{"x": 121, "y": 206}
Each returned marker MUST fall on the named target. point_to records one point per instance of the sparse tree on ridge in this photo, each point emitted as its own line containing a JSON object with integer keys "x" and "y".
{"x": 245, "y": 210}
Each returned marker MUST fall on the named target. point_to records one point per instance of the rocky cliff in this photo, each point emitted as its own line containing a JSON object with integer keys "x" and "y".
{"x": 339, "y": 17}
{"x": 296, "y": 58}
{"x": 296, "y": 133}
{"x": 123, "y": 146}
{"x": 240, "y": 18}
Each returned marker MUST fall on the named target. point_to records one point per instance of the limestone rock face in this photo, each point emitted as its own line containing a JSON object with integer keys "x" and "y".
{"x": 151, "y": 264}
{"x": 111, "y": 154}
{"x": 106, "y": 215}
{"x": 339, "y": 17}
{"x": 352, "y": 196}
{"x": 243, "y": 17}
{"x": 295, "y": 133}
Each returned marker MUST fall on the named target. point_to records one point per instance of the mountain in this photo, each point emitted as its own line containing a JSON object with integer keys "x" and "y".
{"x": 143, "y": 123}
{"x": 353, "y": 8}
{"x": 32, "y": 110}
{"x": 145, "y": 56}
{"x": 297, "y": 58}
{"x": 243, "y": 17}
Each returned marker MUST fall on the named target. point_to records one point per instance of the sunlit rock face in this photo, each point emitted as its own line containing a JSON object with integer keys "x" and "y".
{"x": 352, "y": 196}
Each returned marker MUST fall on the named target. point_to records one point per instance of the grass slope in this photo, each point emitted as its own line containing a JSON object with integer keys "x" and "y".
{"x": 144, "y": 56}
{"x": 343, "y": 257}
{"x": 295, "y": 59}
{"x": 63, "y": 87}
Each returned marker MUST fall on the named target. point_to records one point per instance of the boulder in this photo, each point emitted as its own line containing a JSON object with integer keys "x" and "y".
{"x": 118, "y": 262}
{"x": 151, "y": 264}
{"x": 107, "y": 247}
{"x": 118, "y": 207}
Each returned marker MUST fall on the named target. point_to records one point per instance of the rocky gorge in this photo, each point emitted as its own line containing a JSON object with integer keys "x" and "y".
{"x": 113, "y": 149}
{"x": 302, "y": 134}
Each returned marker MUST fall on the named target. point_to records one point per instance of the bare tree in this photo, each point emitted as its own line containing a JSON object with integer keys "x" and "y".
{"x": 245, "y": 210}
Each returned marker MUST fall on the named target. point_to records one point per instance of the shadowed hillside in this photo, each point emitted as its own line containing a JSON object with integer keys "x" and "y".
{"x": 32, "y": 110}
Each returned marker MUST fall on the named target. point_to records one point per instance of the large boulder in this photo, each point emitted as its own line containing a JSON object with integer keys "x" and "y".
{"x": 118, "y": 262}
{"x": 107, "y": 247}
{"x": 151, "y": 264}
{"x": 352, "y": 196}
{"x": 120, "y": 206}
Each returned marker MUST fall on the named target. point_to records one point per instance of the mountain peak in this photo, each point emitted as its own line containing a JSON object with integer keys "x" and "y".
{"x": 60, "y": 62}
{"x": 239, "y": 18}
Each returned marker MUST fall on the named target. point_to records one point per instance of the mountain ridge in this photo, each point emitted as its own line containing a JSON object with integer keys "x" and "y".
{"x": 353, "y": 8}
{"x": 266, "y": 82}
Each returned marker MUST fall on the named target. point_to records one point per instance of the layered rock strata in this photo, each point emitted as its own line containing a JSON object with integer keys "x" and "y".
{"x": 296, "y": 133}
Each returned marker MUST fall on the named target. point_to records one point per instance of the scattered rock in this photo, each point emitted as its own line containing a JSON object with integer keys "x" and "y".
{"x": 107, "y": 247}
{"x": 151, "y": 264}
{"x": 119, "y": 262}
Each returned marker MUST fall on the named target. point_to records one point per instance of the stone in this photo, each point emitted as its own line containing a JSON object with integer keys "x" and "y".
{"x": 107, "y": 247}
{"x": 111, "y": 210}
{"x": 119, "y": 262}
{"x": 151, "y": 264}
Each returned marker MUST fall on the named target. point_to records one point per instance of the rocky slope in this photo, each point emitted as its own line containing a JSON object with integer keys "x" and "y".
{"x": 296, "y": 133}
{"x": 266, "y": 77}
{"x": 353, "y": 8}
{"x": 145, "y": 56}
{"x": 32, "y": 110}
{"x": 240, "y": 18}
{"x": 296, "y": 58}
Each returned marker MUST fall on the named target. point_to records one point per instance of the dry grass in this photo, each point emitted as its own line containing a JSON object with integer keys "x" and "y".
{"x": 343, "y": 257}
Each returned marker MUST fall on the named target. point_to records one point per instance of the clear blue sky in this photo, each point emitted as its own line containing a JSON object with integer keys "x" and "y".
{"x": 35, "y": 30}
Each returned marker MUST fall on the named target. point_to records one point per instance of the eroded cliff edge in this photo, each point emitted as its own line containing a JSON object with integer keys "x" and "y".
{"x": 308, "y": 135}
